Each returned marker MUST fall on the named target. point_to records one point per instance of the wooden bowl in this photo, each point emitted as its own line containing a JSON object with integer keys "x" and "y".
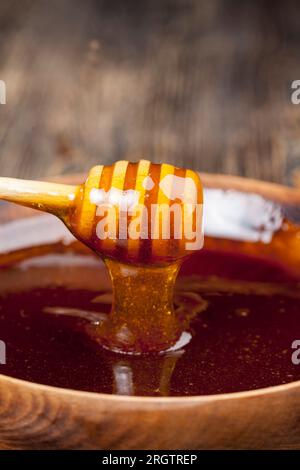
{"x": 34, "y": 416}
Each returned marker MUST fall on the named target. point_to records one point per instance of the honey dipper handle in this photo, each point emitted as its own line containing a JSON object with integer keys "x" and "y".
{"x": 49, "y": 197}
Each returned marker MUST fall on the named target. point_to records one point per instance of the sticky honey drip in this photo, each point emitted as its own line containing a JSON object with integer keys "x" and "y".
{"x": 142, "y": 317}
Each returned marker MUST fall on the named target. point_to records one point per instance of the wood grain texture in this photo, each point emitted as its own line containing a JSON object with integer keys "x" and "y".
{"x": 40, "y": 417}
{"x": 200, "y": 84}
{"x": 34, "y": 416}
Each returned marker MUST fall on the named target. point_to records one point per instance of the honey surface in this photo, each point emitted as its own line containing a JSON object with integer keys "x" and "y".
{"x": 244, "y": 320}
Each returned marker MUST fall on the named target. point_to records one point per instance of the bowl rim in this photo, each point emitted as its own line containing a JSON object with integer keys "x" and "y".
{"x": 180, "y": 400}
{"x": 272, "y": 191}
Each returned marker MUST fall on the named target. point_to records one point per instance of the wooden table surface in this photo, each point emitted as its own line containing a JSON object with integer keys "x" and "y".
{"x": 204, "y": 84}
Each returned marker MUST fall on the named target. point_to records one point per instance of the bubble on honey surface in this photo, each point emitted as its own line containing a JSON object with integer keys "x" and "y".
{"x": 242, "y": 312}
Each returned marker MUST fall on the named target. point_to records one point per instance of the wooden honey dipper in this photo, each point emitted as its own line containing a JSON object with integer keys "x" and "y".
{"x": 142, "y": 219}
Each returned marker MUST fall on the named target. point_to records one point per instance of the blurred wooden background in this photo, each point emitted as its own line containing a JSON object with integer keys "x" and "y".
{"x": 204, "y": 84}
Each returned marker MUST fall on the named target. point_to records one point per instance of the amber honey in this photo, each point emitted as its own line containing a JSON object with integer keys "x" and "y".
{"x": 244, "y": 317}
